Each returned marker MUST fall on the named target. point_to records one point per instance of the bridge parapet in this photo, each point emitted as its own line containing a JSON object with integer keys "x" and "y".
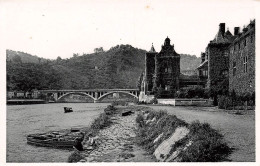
{"x": 95, "y": 94}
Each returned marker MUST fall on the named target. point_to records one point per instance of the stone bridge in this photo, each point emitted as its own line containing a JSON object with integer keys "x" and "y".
{"x": 96, "y": 94}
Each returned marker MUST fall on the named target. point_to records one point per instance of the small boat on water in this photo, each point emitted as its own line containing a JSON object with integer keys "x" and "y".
{"x": 61, "y": 139}
{"x": 67, "y": 109}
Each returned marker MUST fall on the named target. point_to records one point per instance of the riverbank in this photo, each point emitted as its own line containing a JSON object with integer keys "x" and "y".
{"x": 116, "y": 143}
{"x": 25, "y": 101}
{"x": 146, "y": 136}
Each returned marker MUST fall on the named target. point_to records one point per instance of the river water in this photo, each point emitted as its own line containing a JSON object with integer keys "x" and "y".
{"x": 39, "y": 118}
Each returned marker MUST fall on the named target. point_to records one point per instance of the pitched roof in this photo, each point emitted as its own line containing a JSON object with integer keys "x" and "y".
{"x": 221, "y": 38}
{"x": 203, "y": 64}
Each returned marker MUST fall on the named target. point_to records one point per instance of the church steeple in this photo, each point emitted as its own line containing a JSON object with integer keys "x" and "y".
{"x": 152, "y": 49}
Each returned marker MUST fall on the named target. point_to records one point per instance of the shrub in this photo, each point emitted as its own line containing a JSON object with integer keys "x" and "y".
{"x": 75, "y": 157}
{"x": 101, "y": 122}
{"x": 110, "y": 110}
{"x": 192, "y": 92}
{"x": 139, "y": 120}
{"x": 147, "y": 133}
{"x": 224, "y": 102}
{"x": 154, "y": 101}
{"x": 207, "y": 145}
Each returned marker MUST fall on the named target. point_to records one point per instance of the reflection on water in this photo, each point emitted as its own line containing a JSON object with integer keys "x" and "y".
{"x": 27, "y": 119}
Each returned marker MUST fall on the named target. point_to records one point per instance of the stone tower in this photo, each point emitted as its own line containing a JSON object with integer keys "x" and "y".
{"x": 167, "y": 68}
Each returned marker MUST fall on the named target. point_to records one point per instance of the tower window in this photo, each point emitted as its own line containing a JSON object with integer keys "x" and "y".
{"x": 225, "y": 73}
{"x": 234, "y": 68}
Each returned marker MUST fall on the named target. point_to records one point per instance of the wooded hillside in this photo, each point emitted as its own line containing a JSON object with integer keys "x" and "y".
{"x": 119, "y": 67}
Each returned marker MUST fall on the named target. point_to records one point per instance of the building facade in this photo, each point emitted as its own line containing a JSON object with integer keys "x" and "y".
{"x": 242, "y": 61}
{"x": 162, "y": 70}
{"x": 229, "y": 60}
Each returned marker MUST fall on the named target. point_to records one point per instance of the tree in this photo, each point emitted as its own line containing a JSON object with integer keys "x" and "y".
{"x": 75, "y": 55}
{"x": 39, "y": 59}
{"x": 17, "y": 59}
{"x": 98, "y": 50}
{"x": 58, "y": 60}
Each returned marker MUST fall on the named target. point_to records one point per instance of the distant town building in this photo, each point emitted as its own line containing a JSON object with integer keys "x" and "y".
{"x": 28, "y": 94}
{"x": 10, "y": 94}
{"x": 35, "y": 94}
{"x": 20, "y": 94}
{"x": 232, "y": 58}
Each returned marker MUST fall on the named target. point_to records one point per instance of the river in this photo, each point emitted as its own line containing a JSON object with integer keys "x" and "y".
{"x": 28, "y": 119}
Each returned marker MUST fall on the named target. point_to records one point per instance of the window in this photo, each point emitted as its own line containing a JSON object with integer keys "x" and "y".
{"x": 245, "y": 42}
{"x": 251, "y": 38}
{"x": 205, "y": 73}
{"x": 167, "y": 87}
{"x": 168, "y": 70}
{"x": 234, "y": 68}
{"x": 225, "y": 53}
{"x": 245, "y": 63}
{"x": 225, "y": 73}
{"x": 238, "y": 46}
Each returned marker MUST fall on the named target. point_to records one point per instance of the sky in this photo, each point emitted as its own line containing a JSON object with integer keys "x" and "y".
{"x": 53, "y": 28}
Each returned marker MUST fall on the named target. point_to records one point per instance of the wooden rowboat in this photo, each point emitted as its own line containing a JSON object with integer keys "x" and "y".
{"x": 67, "y": 109}
{"x": 55, "y": 139}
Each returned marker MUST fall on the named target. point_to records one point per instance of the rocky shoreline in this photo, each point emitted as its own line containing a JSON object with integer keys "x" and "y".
{"x": 115, "y": 143}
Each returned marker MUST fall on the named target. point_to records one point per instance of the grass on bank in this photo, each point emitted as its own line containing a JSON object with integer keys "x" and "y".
{"x": 207, "y": 144}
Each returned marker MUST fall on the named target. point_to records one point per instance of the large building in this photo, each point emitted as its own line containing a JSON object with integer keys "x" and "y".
{"x": 162, "y": 70}
{"x": 230, "y": 58}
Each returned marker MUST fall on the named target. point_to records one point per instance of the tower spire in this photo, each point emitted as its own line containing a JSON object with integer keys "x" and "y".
{"x": 152, "y": 49}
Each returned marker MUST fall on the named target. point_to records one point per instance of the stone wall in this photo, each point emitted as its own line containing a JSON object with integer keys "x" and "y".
{"x": 242, "y": 81}
{"x": 149, "y": 69}
{"x": 218, "y": 63}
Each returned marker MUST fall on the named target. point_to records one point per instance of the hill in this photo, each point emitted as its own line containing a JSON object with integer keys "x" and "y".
{"x": 24, "y": 57}
{"x": 189, "y": 62}
{"x": 119, "y": 67}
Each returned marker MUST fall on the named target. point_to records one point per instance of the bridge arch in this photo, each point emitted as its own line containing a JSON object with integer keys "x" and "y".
{"x": 80, "y": 93}
{"x": 108, "y": 93}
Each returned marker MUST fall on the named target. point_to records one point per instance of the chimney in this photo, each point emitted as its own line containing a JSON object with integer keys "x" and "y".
{"x": 202, "y": 57}
{"x": 222, "y": 28}
{"x": 236, "y": 31}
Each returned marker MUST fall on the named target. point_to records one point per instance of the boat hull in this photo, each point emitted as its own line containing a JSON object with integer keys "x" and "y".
{"x": 65, "y": 141}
